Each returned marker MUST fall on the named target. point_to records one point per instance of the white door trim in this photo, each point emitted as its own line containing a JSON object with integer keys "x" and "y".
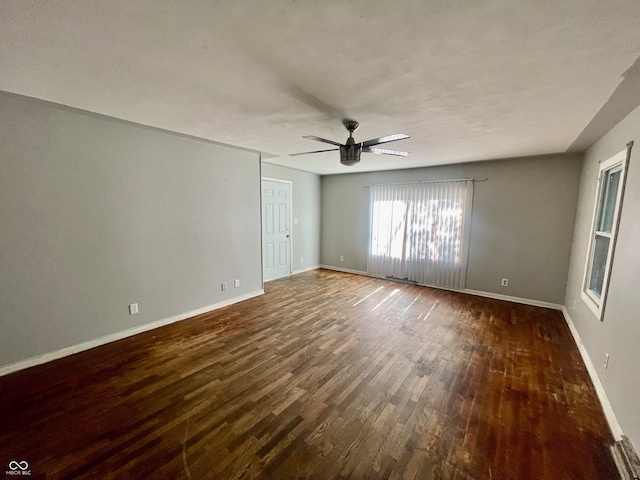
{"x": 280, "y": 180}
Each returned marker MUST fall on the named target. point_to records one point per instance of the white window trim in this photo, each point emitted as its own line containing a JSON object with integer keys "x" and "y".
{"x": 595, "y": 304}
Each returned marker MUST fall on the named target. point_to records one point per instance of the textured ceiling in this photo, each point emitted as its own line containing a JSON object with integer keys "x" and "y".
{"x": 468, "y": 80}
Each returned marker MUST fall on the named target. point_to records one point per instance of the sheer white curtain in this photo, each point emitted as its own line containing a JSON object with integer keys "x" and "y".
{"x": 420, "y": 232}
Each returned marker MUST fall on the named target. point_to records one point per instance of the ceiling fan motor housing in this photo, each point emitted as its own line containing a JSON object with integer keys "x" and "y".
{"x": 350, "y": 153}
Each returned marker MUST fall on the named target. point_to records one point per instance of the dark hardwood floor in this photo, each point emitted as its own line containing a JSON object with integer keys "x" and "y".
{"x": 329, "y": 375}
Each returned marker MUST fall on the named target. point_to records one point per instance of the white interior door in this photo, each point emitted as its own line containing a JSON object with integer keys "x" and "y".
{"x": 276, "y": 229}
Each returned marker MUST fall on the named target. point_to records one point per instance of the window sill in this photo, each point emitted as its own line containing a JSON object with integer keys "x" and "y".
{"x": 593, "y": 306}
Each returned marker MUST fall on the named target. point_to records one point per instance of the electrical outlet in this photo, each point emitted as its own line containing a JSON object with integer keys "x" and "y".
{"x": 224, "y": 286}
{"x": 133, "y": 309}
{"x": 505, "y": 282}
{"x": 573, "y": 304}
{"x": 301, "y": 259}
{"x": 342, "y": 258}
{"x": 606, "y": 360}
{"x": 236, "y": 283}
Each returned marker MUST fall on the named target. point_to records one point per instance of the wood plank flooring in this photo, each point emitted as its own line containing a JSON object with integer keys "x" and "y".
{"x": 327, "y": 376}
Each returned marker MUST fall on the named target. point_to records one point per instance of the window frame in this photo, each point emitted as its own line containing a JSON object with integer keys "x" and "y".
{"x": 618, "y": 162}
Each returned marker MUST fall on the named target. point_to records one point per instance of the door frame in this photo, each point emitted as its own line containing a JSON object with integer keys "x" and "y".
{"x": 290, "y": 222}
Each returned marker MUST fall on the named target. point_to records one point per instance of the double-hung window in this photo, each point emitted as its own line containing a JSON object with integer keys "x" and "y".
{"x": 603, "y": 232}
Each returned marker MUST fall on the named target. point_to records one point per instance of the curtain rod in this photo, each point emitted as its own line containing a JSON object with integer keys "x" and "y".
{"x": 479, "y": 179}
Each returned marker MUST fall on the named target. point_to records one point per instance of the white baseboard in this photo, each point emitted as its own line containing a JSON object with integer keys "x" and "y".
{"x": 64, "y": 352}
{"x": 595, "y": 379}
{"x": 307, "y": 269}
{"x": 295, "y": 272}
{"x": 508, "y": 298}
{"x": 497, "y": 296}
{"x": 346, "y": 270}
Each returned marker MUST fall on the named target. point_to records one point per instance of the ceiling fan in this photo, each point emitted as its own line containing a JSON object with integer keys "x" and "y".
{"x": 350, "y": 151}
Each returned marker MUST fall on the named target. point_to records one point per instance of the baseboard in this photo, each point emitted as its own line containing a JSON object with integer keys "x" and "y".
{"x": 64, "y": 352}
{"x": 346, "y": 270}
{"x": 497, "y": 296}
{"x": 508, "y": 298}
{"x": 295, "y": 272}
{"x": 595, "y": 379}
{"x": 307, "y": 269}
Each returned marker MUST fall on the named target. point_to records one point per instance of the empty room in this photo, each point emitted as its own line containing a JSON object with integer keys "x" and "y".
{"x": 319, "y": 239}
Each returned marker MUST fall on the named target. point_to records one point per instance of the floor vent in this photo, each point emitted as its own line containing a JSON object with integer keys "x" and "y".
{"x": 626, "y": 459}
{"x": 401, "y": 280}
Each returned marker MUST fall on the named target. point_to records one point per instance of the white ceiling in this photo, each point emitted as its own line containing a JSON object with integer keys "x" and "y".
{"x": 468, "y": 80}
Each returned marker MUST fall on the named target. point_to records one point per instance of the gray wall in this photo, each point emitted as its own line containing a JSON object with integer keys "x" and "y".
{"x": 306, "y": 208}
{"x": 619, "y": 332}
{"x": 521, "y": 228}
{"x": 96, "y": 214}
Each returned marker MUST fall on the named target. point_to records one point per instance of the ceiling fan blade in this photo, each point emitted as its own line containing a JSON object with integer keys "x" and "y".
{"x": 388, "y": 138}
{"x": 384, "y": 151}
{"x": 315, "y": 151}
{"x": 313, "y": 137}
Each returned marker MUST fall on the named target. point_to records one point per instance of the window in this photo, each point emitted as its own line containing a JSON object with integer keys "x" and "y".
{"x": 603, "y": 231}
{"x": 420, "y": 232}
